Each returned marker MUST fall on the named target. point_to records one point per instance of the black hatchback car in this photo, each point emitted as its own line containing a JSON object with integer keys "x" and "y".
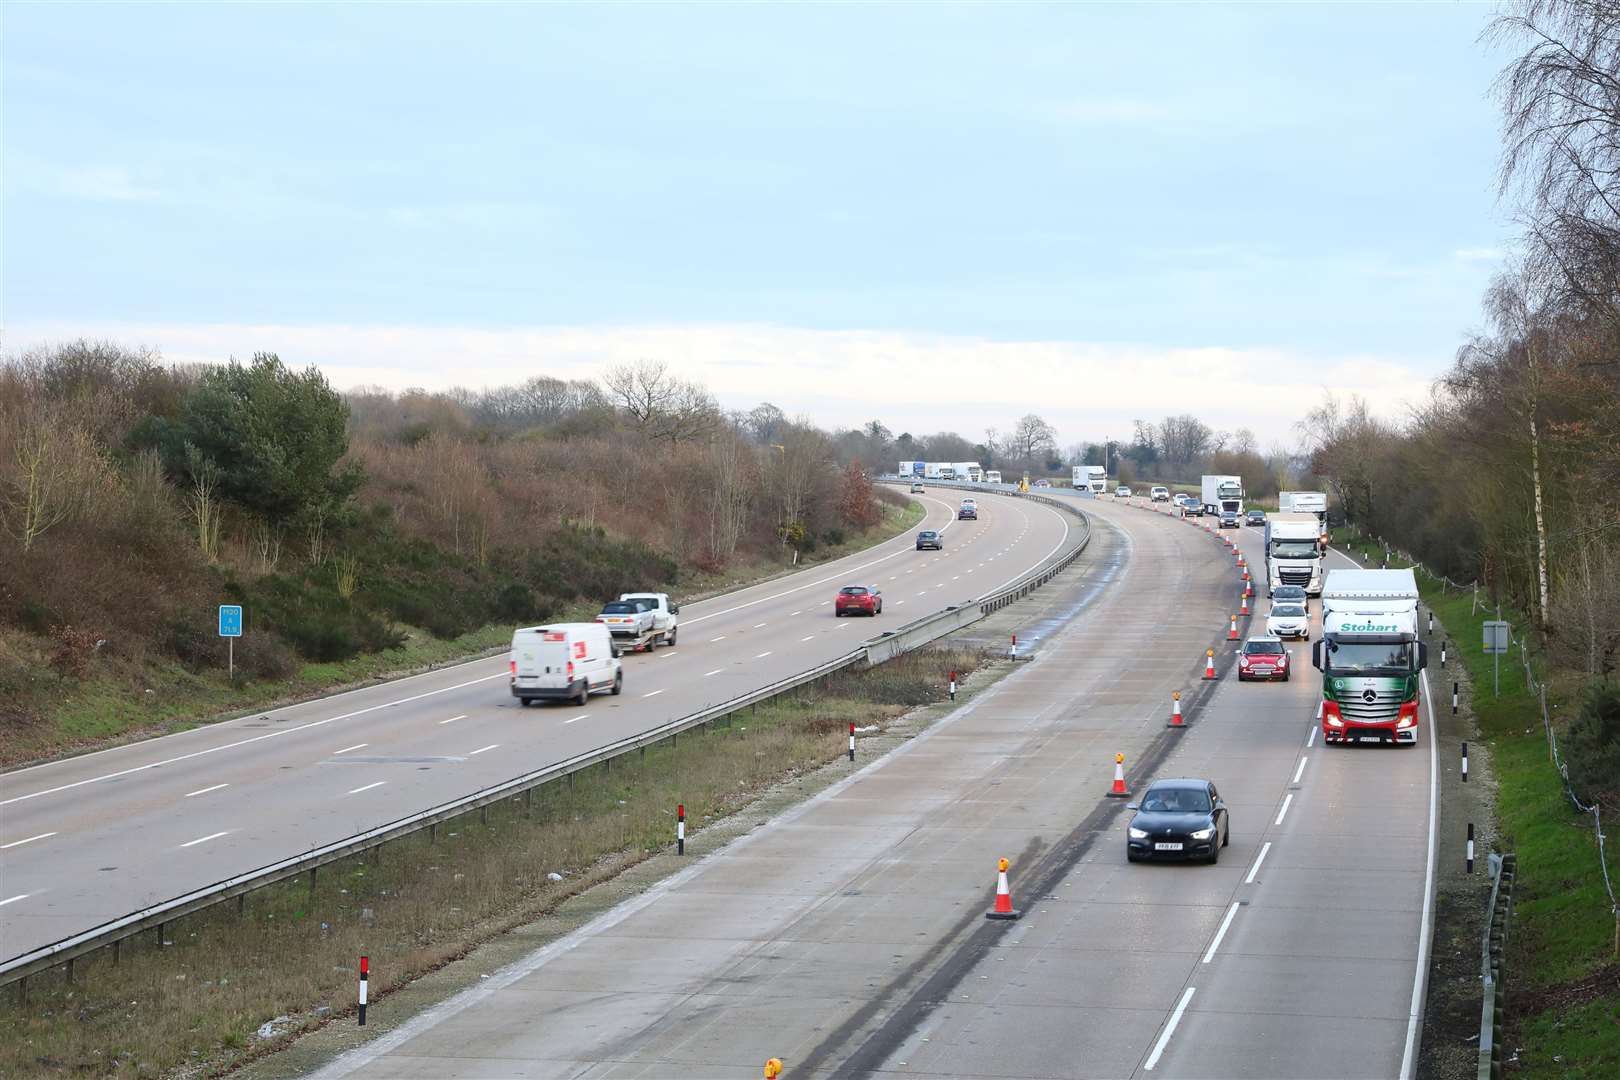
{"x": 1178, "y": 820}
{"x": 928, "y": 538}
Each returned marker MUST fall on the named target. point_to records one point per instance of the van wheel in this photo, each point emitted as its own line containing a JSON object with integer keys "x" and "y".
{"x": 582, "y": 694}
{"x": 618, "y": 683}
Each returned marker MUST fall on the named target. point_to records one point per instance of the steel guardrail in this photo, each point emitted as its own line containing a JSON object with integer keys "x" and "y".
{"x": 909, "y": 636}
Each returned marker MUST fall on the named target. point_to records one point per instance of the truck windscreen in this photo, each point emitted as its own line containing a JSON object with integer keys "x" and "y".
{"x": 1293, "y": 549}
{"x": 1369, "y": 658}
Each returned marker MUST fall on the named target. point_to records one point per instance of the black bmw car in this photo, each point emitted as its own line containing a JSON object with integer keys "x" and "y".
{"x": 1178, "y": 820}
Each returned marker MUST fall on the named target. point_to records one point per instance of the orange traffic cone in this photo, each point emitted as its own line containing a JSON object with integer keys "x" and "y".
{"x": 1003, "y": 908}
{"x": 1231, "y": 635}
{"x": 1118, "y": 790}
{"x": 1244, "y": 599}
{"x": 1209, "y": 663}
{"x": 1175, "y": 710}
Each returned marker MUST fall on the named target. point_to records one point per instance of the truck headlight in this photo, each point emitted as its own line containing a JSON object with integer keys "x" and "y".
{"x": 1204, "y": 834}
{"x": 1138, "y": 834}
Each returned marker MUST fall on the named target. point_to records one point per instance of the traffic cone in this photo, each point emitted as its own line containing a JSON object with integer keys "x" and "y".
{"x": 1231, "y": 635}
{"x": 1244, "y": 610}
{"x": 1209, "y": 663}
{"x": 1118, "y": 790}
{"x": 1003, "y": 908}
{"x": 1175, "y": 710}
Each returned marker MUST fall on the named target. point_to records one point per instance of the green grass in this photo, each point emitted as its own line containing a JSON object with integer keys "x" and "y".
{"x": 1563, "y": 928}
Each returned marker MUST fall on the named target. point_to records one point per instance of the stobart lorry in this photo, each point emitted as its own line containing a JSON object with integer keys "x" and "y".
{"x": 1370, "y": 657}
{"x": 1293, "y": 552}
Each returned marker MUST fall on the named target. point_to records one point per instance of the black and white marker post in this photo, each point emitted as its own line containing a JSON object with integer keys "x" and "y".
{"x": 365, "y": 969}
{"x": 680, "y": 828}
{"x": 1465, "y": 763}
{"x": 1470, "y": 847}
{"x": 852, "y": 740}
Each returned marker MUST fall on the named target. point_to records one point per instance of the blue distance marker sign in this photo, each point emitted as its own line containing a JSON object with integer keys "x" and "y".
{"x": 230, "y": 620}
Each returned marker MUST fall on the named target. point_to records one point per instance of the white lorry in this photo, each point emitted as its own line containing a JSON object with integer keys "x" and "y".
{"x": 1306, "y": 502}
{"x": 564, "y": 662}
{"x": 1223, "y": 493}
{"x": 1293, "y": 553}
{"x": 1370, "y": 657}
{"x": 1092, "y": 478}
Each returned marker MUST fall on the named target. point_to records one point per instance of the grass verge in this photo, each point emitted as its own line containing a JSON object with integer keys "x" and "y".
{"x": 198, "y": 1000}
{"x": 124, "y": 701}
{"x": 1563, "y": 995}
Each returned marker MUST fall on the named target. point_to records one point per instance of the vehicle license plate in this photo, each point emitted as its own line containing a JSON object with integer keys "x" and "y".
{"x": 1166, "y": 847}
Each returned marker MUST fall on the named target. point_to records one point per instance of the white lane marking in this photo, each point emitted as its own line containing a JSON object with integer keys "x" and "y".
{"x": 1310, "y": 739}
{"x": 31, "y": 839}
{"x": 206, "y": 790}
{"x": 346, "y": 749}
{"x": 571, "y": 719}
{"x": 453, "y": 719}
{"x": 481, "y": 749}
{"x": 245, "y": 742}
{"x": 204, "y": 839}
{"x": 1169, "y": 1029}
{"x": 758, "y": 625}
{"x": 1301, "y": 770}
{"x": 652, "y": 693}
{"x": 367, "y": 787}
{"x": 1220, "y": 935}
{"x": 712, "y": 640}
{"x": 812, "y": 637}
{"x": 706, "y": 674}
{"x": 1287, "y": 801}
{"x": 1258, "y": 859}
{"x": 14, "y": 899}
{"x": 763, "y": 655}
{"x": 1420, "y": 977}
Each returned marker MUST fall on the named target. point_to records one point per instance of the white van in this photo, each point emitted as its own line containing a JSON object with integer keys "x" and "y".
{"x": 565, "y": 662}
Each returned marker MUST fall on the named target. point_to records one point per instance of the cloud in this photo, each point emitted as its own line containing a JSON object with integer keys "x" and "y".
{"x": 104, "y": 184}
{"x": 839, "y": 378}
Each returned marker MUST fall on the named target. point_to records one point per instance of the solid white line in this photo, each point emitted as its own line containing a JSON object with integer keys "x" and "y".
{"x": 706, "y": 674}
{"x": 652, "y": 693}
{"x": 453, "y": 719}
{"x": 1220, "y": 934}
{"x": 204, "y": 839}
{"x": 1169, "y": 1029}
{"x": 13, "y": 899}
{"x": 31, "y": 839}
{"x": 245, "y": 742}
{"x": 346, "y": 749}
{"x": 763, "y": 655}
{"x": 1284, "y": 811}
{"x": 1420, "y": 977}
{"x": 1301, "y": 770}
{"x": 206, "y": 790}
{"x": 571, "y": 719}
{"x": 481, "y": 749}
{"x": 368, "y": 787}
{"x": 1310, "y": 740}
{"x": 1258, "y": 859}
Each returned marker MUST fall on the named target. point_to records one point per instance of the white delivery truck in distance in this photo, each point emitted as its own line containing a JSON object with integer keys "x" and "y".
{"x": 564, "y": 662}
{"x": 1370, "y": 657}
{"x": 1293, "y": 554}
{"x": 1223, "y": 493}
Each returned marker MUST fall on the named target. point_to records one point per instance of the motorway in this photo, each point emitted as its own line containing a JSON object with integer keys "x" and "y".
{"x": 847, "y": 936}
{"x": 93, "y": 838}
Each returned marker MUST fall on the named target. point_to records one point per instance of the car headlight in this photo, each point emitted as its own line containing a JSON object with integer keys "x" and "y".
{"x": 1204, "y": 834}
{"x": 1138, "y": 834}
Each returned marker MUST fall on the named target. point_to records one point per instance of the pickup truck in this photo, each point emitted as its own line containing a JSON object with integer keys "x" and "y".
{"x": 665, "y": 612}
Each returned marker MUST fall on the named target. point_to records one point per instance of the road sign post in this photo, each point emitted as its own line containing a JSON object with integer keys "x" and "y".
{"x": 230, "y": 628}
{"x": 1497, "y": 635}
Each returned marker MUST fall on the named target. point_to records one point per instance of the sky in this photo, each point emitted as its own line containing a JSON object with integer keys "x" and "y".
{"x": 940, "y": 216}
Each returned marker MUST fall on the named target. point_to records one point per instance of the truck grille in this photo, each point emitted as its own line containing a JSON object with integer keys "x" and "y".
{"x": 1385, "y": 707}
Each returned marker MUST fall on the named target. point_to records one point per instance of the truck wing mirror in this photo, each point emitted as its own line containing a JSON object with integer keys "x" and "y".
{"x": 1319, "y": 654}
{"x": 1422, "y": 655}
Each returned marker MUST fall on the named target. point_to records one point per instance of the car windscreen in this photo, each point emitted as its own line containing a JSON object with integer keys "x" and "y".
{"x": 853, "y": 590}
{"x": 1176, "y": 801}
{"x": 1369, "y": 658}
{"x": 1289, "y": 611}
{"x": 619, "y": 607}
{"x": 1263, "y": 648}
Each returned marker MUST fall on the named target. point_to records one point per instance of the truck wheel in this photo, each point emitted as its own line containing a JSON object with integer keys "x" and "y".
{"x": 618, "y": 683}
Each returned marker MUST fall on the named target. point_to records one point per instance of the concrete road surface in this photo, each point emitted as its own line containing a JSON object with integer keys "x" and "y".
{"x": 93, "y": 838}
{"x": 848, "y": 937}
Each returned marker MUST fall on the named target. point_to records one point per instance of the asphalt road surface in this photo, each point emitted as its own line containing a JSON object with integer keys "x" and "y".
{"x": 847, "y": 937}
{"x": 93, "y": 838}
